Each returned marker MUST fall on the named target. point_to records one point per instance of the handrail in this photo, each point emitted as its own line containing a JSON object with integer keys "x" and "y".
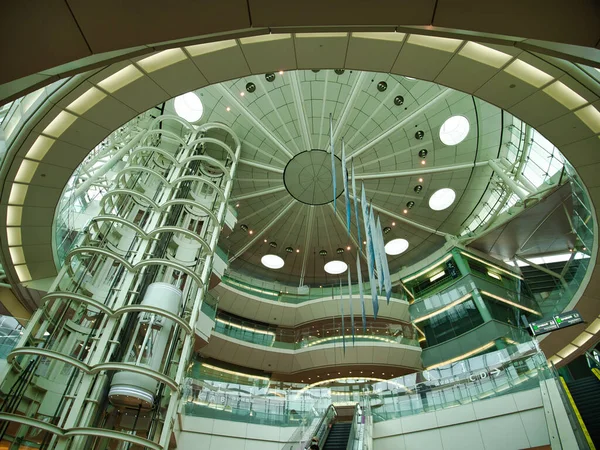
{"x": 354, "y": 435}
{"x": 322, "y": 428}
{"x": 586, "y": 433}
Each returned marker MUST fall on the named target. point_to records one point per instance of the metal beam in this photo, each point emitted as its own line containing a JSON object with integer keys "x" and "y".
{"x": 259, "y": 165}
{"x": 512, "y": 184}
{"x": 543, "y": 269}
{"x": 376, "y": 140}
{"x": 323, "y": 109}
{"x": 300, "y": 112}
{"x": 407, "y": 221}
{"x": 356, "y": 89}
{"x": 272, "y": 190}
{"x": 416, "y": 172}
{"x": 259, "y": 234}
{"x": 252, "y": 118}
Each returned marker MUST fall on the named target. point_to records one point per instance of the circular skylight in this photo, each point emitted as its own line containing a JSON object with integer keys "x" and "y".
{"x": 396, "y": 246}
{"x": 442, "y": 199}
{"x": 272, "y": 261}
{"x": 189, "y": 107}
{"x": 336, "y": 267}
{"x": 454, "y": 130}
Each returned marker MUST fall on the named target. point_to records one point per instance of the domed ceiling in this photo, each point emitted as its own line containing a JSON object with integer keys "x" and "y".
{"x": 391, "y": 128}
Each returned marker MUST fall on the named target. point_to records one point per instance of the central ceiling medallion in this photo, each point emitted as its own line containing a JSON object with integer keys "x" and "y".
{"x": 307, "y": 177}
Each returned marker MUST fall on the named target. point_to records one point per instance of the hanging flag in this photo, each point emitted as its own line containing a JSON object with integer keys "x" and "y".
{"x": 334, "y": 182}
{"x": 356, "y": 206}
{"x": 370, "y": 251}
{"x": 343, "y": 326}
{"x": 347, "y": 193}
{"x": 351, "y": 307}
{"x": 387, "y": 280}
{"x": 362, "y": 293}
{"x": 375, "y": 240}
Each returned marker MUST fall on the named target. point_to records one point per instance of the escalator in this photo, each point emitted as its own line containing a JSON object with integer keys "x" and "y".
{"x": 337, "y": 439}
{"x": 586, "y": 395}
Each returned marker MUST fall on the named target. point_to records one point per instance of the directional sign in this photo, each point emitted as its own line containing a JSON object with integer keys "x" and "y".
{"x": 556, "y": 322}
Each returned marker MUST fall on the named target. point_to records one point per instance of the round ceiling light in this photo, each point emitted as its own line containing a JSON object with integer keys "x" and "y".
{"x": 442, "y": 199}
{"x": 396, "y": 246}
{"x": 454, "y": 130}
{"x": 336, "y": 267}
{"x": 272, "y": 261}
{"x": 189, "y": 107}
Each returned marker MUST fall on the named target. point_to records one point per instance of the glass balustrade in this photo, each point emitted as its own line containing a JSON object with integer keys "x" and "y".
{"x": 516, "y": 368}
{"x": 11, "y": 330}
{"x": 312, "y": 335}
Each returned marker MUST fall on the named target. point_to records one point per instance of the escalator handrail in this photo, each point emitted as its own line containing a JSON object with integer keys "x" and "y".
{"x": 323, "y": 426}
{"x": 355, "y": 416}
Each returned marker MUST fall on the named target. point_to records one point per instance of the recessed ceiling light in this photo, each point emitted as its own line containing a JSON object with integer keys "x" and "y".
{"x": 396, "y": 246}
{"x": 405, "y": 211}
{"x": 442, "y": 199}
{"x": 348, "y": 248}
{"x": 228, "y": 109}
{"x": 189, "y": 107}
{"x": 242, "y": 93}
{"x": 454, "y": 130}
{"x": 250, "y": 232}
{"x": 297, "y": 250}
{"x": 393, "y": 224}
{"x": 422, "y": 162}
{"x": 336, "y": 267}
{"x": 420, "y": 180}
{"x": 272, "y": 261}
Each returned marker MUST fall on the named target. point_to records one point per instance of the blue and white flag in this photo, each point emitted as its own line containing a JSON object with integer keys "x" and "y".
{"x": 356, "y": 206}
{"x": 334, "y": 181}
{"x": 347, "y": 193}
{"x": 361, "y": 291}
{"x": 343, "y": 326}
{"x": 351, "y": 307}
{"x": 370, "y": 251}
{"x": 376, "y": 249}
{"x": 387, "y": 280}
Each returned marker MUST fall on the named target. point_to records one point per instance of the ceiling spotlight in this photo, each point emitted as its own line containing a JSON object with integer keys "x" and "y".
{"x": 244, "y": 227}
{"x": 242, "y": 93}
{"x": 250, "y": 87}
{"x": 410, "y": 204}
{"x": 423, "y": 162}
{"x": 228, "y": 109}
{"x": 297, "y": 250}
{"x": 364, "y": 242}
{"x": 339, "y": 71}
{"x": 420, "y": 180}
{"x": 418, "y": 188}
{"x": 398, "y": 100}
{"x": 273, "y": 244}
{"x": 289, "y": 249}
{"x": 339, "y": 251}
{"x": 265, "y": 240}
{"x": 348, "y": 248}
{"x": 250, "y": 232}
{"x": 423, "y": 153}
{"x": 237, "y": 205}
{"x": 270, "y": 77}
{"x": 281, "y": 72}
{"x": 323, "y": 253}
{"x": 316, "y": 71}
{"x": 393, "y": 224}
{"x": 386, "y": 230}
{"x": 405, "y": 211}
{"x": 419, "y": 134}
{"x": 381, "y": 86}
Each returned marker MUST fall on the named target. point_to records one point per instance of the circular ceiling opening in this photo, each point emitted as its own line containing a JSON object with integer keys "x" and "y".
{"x": 442, "y": 199}
{"x": 307, "y": 177}
{"x": 189, "y": 107}
{"x": 336, "y": 267}
{"x": 272, "y": 261}
{"x": 454, "y": 130}
{"x": 396, "y": 246}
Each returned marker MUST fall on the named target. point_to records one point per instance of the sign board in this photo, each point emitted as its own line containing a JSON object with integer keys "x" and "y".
{"x": 556, "y": 322}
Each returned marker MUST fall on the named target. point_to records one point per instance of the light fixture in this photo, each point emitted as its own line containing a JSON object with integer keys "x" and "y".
{"x": 410, "y": 204}
{"x": 437, "y": 276}
{"x": 189, "y": 107}
{"x": 297, "y": 250}
{"x": 398, "y": 100}
{"x": 335, "y": 267}
{"x": 386, "y": 230}
{"x": 281, "y": 73}
{"x": 381, "y": 86}
{"x": 420, "y": 135}
{"x": 250, "y": 87}
{"x": 272, "y": 261}
{"x": 289, "y": 249}
{"x": 442, "y": 199}
{"x": 228, "y": 109}
{"x": 494, "y": 275}
{"x": 420, "y": 180}
{"x": 393, "y": 224}
{"x": 250, "y": 232}
{"x": 423, "y": 162}
{"x": 339, "y": 251}
{"x": 405, "y": 211}
{"x": 323, "y": 252}
{"x": 242, "y": 94}
{"x": 339, "y": 71}
{"x": 270, "y": 77}
{"x": 396, "y": 246}
{"x": 348, "y": 248}
{"x": 418, "y": 188}
{"x": 454, "y": 130}
{"x": 423, "y": 153}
